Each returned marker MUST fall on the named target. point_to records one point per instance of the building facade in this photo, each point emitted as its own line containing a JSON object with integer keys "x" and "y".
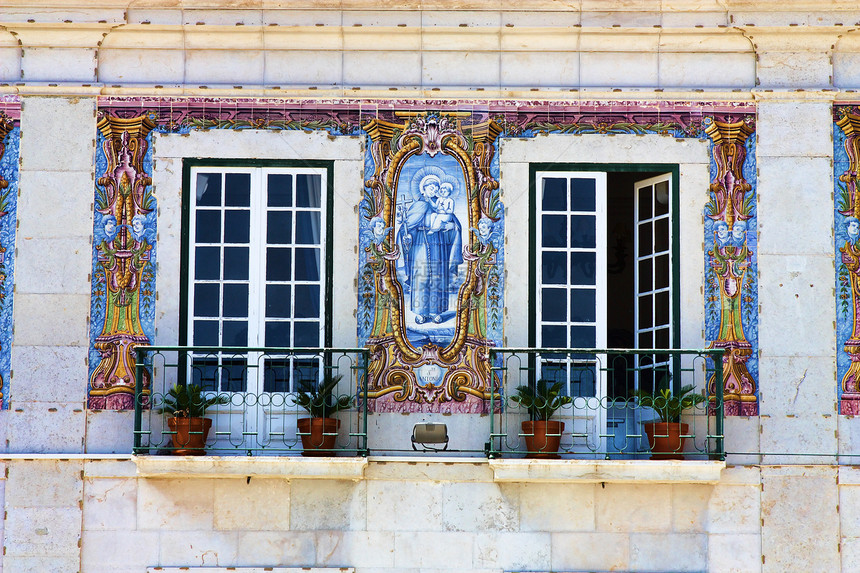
{"x": 437, "y": 203}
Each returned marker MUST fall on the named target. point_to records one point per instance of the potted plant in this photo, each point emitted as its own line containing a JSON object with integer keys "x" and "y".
{"x": 666, "y": 437}
{"x": 186, "y": 407}
{"x": 319, "y": 432}
{"x": 543, "y": 436}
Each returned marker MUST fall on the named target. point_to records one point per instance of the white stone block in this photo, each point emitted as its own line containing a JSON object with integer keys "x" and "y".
{"x": 594, "y": 148}
{"x": 154, "y": 16}
{"x": 344, "y": 295}
{"x": 545, "y": 18}
{"x": 778, "y": 69}
{"x": 226, "y": 67}
{"x": 42, "y": 191}
{"x": 596, "y": 14}
{"x": 625, "y": 508}
{"x": 43, "y": 563}
{"x": 48, "y": 373}
{"x": 44, "y": 483}
{"x": 734, "y": 509}
{"x": 363, "y": 549}
{"x": 255, "y": 547}
{"x": 412, "y": 550}
{"x": 789, "y": 286}
{"x": 122, "y": 548}
{"x": 203, "y": 548}
{"x": 234, "y": 17}
{"x": 469, "y": 69}
{"x": 42, "y": 531}
{"x": 734, "y": 553}
{"x": 557, "y": 507}
{"x": 10, "y": 59}
{"x": 130, "y": 66}
{"x": 802, "y": 434}
{"x": 849, "y": 443}
{"x": 66, "y": 143}
{"x": 328, "y": 505}
{"x": 59, "y": 65}
{"x": 797, "y": 385}
{"x": 794, "y": 205}
{"x": 708, "y": 70}
{"x": 60, "y": 427}
{"x": 378, "y": 68}
{"x": 298, "y": 67}
{"x": 110, "y": 431}
{"x": 384, "y": 39}
{"x": 590, "y": 551}
{"x": 514, "y": 182}
{"x": 110, "y": 504}
{"x": 846, "y": 70}
{"x": 743, "y": 435}
{"x": 690, "y": 507}
{"x": 849, "y": 510}
{"x": 799, "y": 532}
{"x": 779, "y": 123}
{"x": 513, "y": 551}
{"x": 65, "y": 313}
{"x": 618, "y": 69}
{"x": 480, "y": 507}
{"x": 413, "y": 470}
{"x": 540, "y": 69}
{"x": 849, "y": 550}
{"x": 404, "y": 506}
{"x": 258, "y": 504}
{"x": 668, "y": 551}
{"x": 49, "y": 266}
{"x": 111, "y": 469}
{"x": 175, "y": 504}
{"x": 382, "y": 18}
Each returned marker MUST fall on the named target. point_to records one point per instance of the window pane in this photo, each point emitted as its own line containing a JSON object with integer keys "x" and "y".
{"x": 208, "y": 227}
{"x": 583, "y": 231}
{"x": 206, "y": 299}
{"x": 207, "y": 263}
{"x": 583, "y": 269}
{"x": 278, "y": 264}
{"x": 237, "y": 226}
{"x": 583, "y": 380}
{"x": 307, "y": 301}
{"x": 662, "y": 338}
{"x": 279, "y": 227}
{"x": 661, "y": 271}
{"x": 645, "y": 199}
{"x": 209, "y": 189}
{"x": 234, "y": 333}
{"x": 645, "y": 312}
{"x": 306, "y": 374}
{"x": 308, "y": 227}
{"x": 661, "y": 307}
{"x": 645, "y": 239}
{"x": 554, "y": 231}
{"x": 553, "y": 268}
{"x": 661, "y": 235}
{"x": 205, "y": 333}
{"x": 276, "y": 376}
{"x": 280, "y": 191}
{"x": 308, "y": 190}
{"x": 277, "y": 301}
{"x": 233, "y": 375}
{"x": 582, "y": 192}
{"x": 553, "y": 196}
{"x": 236, "y": 263}
{"x": 237, "y": 192}
{"x": 553, "y": 336}
{"x": 661, "y": 193}
{"x": 583, "y": 305}
{"x": 307, "y": 334}
{"x": 554, "y": 305}
{"x": 204, "y": 372}
{"x": 645, "y": 277}
{"x": 307, "y": 264}
{"x": 582, "y": 336}
{"x": 236, "y": 300}
{"x": 646, "y": 339}
{"x": 278, "y": 334}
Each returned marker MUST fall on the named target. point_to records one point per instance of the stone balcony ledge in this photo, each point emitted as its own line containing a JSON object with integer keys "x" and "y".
{"x": 284, "y": 467}
{"x": 607, "y": 471}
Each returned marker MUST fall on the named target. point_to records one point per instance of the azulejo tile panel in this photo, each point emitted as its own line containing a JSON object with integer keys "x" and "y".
{"x": 10, "y": 139}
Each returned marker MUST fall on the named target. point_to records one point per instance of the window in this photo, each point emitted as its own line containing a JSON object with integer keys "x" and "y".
{"x": 256, "y": 271}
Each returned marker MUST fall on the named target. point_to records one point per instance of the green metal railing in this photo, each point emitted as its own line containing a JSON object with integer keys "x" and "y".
{"x": 608, "y": 401}
{"x": 256, "y": 395}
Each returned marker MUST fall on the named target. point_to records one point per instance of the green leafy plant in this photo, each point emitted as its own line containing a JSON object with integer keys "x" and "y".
{"x": 319, "y": 398}
{"x": 189, "y": 401}
{"x": 668, "y": 405}
{"x": 541, "y": 399}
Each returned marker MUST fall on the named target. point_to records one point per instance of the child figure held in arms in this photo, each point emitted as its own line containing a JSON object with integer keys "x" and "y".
{"x": 443, "y": 209}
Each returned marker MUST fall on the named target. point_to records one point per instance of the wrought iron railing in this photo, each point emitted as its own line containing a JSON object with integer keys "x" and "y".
{"x": 256, "y": 397}
{"x": 608, "y": 401}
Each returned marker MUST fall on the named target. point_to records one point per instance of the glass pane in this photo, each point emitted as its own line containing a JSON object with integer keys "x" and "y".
{"x": 553, "y": 336}
{"x": 307, "y": 301}
{"x": 583, "y": 380}
{"x": 661, "y": 194}
{"x": 646, "y": 339}
{"x": 645, "y": 239}
{"x": 236, "y": 263}
{"x": 583, "y": 336}
{"x": 645, "y": 203}
{"x": 583, "y": 231}
{"x": 235, "y": 300}
{"x": 204, "y": 372}
{"x": 645, "y": 316}
{"x": 206, "y": 299}
{"x": 662, "y": 338}
{"x": 645, "y": 277}
{"x": 308, "y": 190}
{"x": 237, "y": 192}
{"x": 207, "y": 227}
{"x": 661, "y": 235}
{"x": 209, "y": 189}
{"x": 307, "y": 334}
{"x": 205, "y": 333}
{"x": 583, "y": 305}
{"x": 308, "y": 227}
{"x": 207, "y": 263}
{"x": 583, "y": 268}
{"x": 306, "y": 374}
{"x": 280, "y": 190}
{"x": 276, "y": 376}
{"x": 233, "y": 375}
{"x": 553, "y": 196}
{"x": 237, "y": 226}
{"x": 277, "y": 301}
{"x": 661, "y": 307}
{"x": 234, "y": 333}
{"x": 554, "y": 231}
{"x": 278, "y": 334}
{"x": 582, "y": 192}
{"x": 553, "y": 268}
{"x": 278, "y": 264}
{"x": 661, "y": 271}
{"x": 279, "y": 227}
{"x": 307, "y": 264}
{"x": 554, "y": 305}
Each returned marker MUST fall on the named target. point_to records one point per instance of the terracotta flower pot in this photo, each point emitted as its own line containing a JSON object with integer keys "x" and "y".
{"x": 543, "y": 438}
{"x": 665, "y": 439}
{"x": 319, "y": 435}
{"x": 190, "y": 436}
